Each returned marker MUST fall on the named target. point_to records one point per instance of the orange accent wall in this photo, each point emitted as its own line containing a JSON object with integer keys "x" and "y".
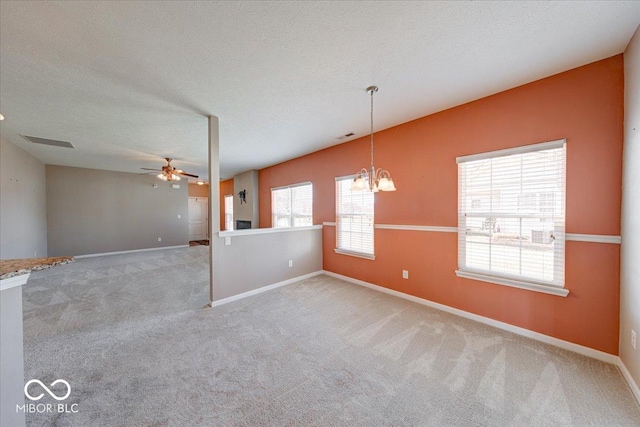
{"x": 226, "y": 188}
{"x": 196, "y": 190}
{"x": 583, "y": 105}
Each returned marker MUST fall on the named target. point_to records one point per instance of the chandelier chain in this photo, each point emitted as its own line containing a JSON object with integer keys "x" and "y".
{"x": 372, "y": 127}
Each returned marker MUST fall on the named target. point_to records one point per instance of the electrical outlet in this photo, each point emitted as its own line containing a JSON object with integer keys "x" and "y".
{"x": 34, "y": 254}
{"x": 159, "y": 239}
{"x": 179, "y": 216}
{"x": 227, "y": 241}
{"x": 290, "y": 263}
{"x": 405, "y": 274}
{"x": 633, "y": 339}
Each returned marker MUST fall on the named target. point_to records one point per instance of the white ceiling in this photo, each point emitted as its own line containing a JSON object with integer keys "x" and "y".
{"x": 129, "y": 83}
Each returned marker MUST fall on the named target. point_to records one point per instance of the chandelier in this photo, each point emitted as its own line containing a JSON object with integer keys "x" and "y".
{"x": 373, "y": 179}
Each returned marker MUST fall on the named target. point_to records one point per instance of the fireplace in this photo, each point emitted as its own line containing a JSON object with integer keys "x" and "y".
{"x": 242, "y": 225}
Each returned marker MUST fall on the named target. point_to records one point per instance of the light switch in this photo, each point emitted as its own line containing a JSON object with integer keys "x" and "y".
{"x": 227, "y": 241}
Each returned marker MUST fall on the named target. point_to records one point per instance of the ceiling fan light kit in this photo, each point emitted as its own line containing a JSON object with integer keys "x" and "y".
{"x": 373, "y": 179}
{"x": 169, "y": 173}
{"x": 168, "y": 177}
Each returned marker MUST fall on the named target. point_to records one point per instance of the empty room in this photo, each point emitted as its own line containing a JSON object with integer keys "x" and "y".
{"x": 318, "y": 213}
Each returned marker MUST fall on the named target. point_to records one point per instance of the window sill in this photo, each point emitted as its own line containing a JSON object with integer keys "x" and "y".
{"x": 355, "y": 254}
{"x": 547, "y": 289}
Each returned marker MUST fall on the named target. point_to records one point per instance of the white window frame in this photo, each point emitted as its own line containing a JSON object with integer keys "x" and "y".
{"x": 347, "y": 251}
{"x": 553, "y": 288}
{"x": 292, "y": 214}
{"x": 228, "y": 213}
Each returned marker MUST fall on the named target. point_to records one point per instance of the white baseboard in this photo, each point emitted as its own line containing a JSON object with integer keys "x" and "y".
{"x": 130, "y": 251}
{"x": 627, "y": 376}
{"x": 577, "y": 348}
{"x": 263, "y": 289}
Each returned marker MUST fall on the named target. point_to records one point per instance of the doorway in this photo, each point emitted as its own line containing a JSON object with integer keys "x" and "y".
{"x": 198, "y": 218}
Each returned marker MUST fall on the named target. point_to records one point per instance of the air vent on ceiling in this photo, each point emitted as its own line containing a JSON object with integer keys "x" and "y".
{"x": 52, "y": 142}
{"x": 346, "y": 136}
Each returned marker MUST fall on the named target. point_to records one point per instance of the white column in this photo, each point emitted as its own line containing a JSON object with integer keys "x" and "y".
{"x": 214, "y": 200}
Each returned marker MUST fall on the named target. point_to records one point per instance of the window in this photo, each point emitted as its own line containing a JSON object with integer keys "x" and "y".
{"x": 511, "y": 222}
{"x": 228, "y": 212}
{"x": 547, "y": 202}
{"x": 292, "y": 206}
{"x": 354, "y": 220}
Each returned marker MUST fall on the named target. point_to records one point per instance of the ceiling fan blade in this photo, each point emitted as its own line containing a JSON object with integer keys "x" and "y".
{"x": 149, "y": 169}
{"x": 186, "y": 174}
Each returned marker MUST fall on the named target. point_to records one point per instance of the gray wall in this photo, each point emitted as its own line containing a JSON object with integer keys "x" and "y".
{"x": 247, "y": 211}
{"x": 259, "y": 260}
{"x": 94, "y": 211}
{"x": 630, "y": 249}
{"x": 23, "y": 215}
{"x": 11, "y": 357}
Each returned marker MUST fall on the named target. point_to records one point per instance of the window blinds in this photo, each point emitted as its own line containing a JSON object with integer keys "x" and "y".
{"x": 511, "y": 213}
{"x": 228, "y": 212}
{"x": 292, "y": 206}
{"x": 354, "y": 218}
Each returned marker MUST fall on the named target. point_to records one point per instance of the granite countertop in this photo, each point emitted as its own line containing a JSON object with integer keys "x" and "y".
{"x": 16, "y": 267}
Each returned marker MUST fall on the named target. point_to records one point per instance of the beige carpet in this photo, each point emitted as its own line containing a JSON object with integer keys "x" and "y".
{"x": 130, "y": 336}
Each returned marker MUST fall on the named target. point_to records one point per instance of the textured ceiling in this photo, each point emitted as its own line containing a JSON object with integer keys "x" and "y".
{"x": 129, "y": 83}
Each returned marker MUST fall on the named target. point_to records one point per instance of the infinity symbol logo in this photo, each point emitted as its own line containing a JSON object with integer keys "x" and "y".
{"x": 26, "y": 391}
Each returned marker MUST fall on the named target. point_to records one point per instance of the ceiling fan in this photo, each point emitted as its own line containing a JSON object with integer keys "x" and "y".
{"x": 169, "y": 173}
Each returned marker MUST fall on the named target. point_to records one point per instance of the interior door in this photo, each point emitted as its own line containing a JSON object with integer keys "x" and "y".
{"x": 198, "y": 218}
